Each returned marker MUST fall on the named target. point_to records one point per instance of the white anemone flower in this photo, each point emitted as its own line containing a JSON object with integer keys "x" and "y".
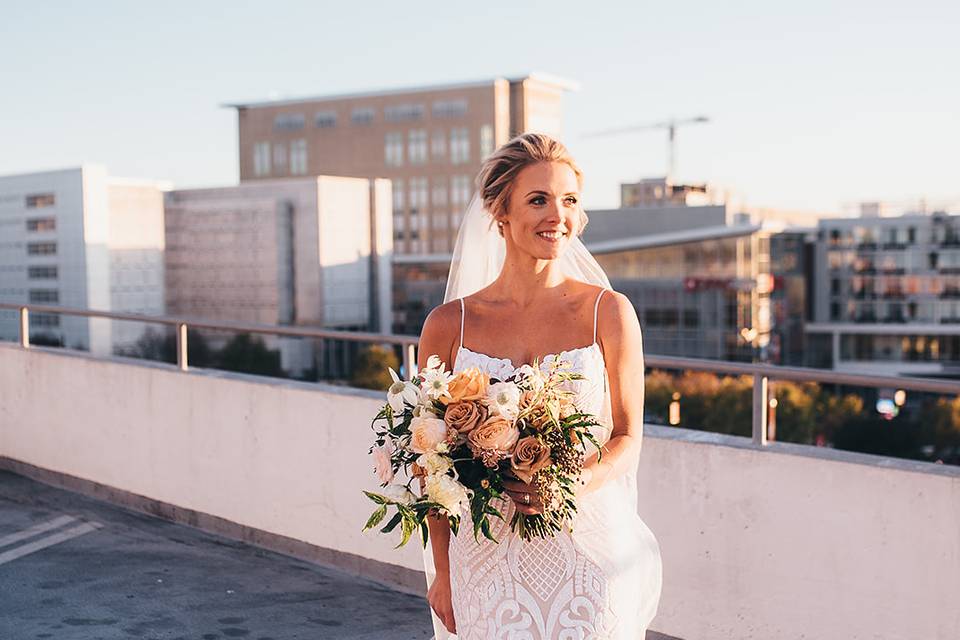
{"x": 401, "y": 392}
{"x": 503, "y": 398}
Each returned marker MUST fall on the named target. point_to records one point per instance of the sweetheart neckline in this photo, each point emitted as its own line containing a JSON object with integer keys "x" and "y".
{"x": 514, "y": 367}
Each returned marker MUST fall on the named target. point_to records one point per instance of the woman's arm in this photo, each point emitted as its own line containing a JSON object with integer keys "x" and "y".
{"x": 440, "y": 331}
{"x": 620, "y": 338}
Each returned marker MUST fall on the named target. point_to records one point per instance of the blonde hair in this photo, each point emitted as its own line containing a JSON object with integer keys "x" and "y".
{"x": 499, "y": 171}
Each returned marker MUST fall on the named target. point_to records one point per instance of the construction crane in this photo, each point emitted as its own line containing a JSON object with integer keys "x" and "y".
{"x": 671, "y": 127}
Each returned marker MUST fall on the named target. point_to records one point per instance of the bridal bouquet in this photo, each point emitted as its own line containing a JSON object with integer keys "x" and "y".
{"x": 462, "y": 434}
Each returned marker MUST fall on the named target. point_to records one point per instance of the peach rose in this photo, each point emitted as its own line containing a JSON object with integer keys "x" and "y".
{"x": 529, "y": 457}
{"x": 493, "y": 440}
{"x": 427, "y": 434}
{"x": 469, "y": 384}
{"x": 465, "y": 415}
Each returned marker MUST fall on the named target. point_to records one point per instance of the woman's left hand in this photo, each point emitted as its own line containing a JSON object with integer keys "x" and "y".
{"x": 519, "y": 491}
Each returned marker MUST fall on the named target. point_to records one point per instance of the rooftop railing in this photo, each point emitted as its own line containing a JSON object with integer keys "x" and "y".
{"x": 762, "y": 374}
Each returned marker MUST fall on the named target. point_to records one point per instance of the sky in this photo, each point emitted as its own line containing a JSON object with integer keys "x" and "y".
{"x": 813, "y": 105}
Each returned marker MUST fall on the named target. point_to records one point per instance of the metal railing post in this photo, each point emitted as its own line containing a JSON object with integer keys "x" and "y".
{"x": 24, "y": 327}
{"x": 760, "y": 410}
{"x": 182, "y": 346}
{"x": 410, "y": 360}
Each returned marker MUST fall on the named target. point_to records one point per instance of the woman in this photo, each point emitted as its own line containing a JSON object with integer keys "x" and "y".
{"x": 527, "y": 291}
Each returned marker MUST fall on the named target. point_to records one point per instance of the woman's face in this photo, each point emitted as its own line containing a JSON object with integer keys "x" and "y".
{"x": 544, "y": 212}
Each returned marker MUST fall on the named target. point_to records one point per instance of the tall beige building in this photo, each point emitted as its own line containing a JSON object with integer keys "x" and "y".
{"x": 428, "y": 140}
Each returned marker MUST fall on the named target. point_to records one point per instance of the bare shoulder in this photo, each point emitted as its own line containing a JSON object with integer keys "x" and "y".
{"x": 617, "y": 318}
{"x": 440, "y": 331}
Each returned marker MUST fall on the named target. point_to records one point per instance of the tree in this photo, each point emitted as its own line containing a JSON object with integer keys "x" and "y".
{"x": 370, "y": 370}
{"x": 246, "y": 354}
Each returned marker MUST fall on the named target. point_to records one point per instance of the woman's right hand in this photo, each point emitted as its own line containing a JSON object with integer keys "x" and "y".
{"x": 441, "y": 601}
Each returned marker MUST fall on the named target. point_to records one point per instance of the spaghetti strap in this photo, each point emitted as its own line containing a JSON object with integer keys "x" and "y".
{"x": 463, "y": 312}
{"x": 596, "y": 309}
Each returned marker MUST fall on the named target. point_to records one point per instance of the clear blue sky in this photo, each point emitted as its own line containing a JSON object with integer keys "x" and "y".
{"x": 814, "y": 104}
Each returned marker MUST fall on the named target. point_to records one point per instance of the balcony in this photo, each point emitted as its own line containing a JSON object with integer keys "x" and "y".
{"x": 759, "y": 539}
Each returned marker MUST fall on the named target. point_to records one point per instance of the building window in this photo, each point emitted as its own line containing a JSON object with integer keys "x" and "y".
{"x": 438, "y": 145}
{"x": 486, "y": 140}
{"x": 325, "y": 119}
{"x": 41, "y": 272}
{"x": 460, "y": 192}
{"x": 399, "y": 202}
{"x": 417, "y": 146}
{"x": 44, "y": 296}
{"x": 41, "y": 248}
{"x": 40, "y": 200}
{"x": 289, "y": 122}
{"x": 298, "y": 157}
{"x": 42, "y": 224}
{"x": 393, "y": 149}
{"x": 39, "y": 319}
{"x": 449, "y": 108}
{"x": 261, "y": 159}
{"x": 279, "y": 157}
{"x": 459, "y": 146}
{"x": 362, "y": 115}
{"x": 417, "y": 195}
{"x": 403, "y": 112}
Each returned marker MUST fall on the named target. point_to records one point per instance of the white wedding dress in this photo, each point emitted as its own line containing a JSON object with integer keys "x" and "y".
{"x": 601, "y": 580}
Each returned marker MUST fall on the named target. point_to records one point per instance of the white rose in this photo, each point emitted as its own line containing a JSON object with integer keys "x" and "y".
{"x": 427, "y": 434}
{"x": 503, "y": 398}
{"x": 447, "y": 492}
{"x": 399, "y": 493}
{"x": 435, "y": 463}
{"x": 382, "y": 463}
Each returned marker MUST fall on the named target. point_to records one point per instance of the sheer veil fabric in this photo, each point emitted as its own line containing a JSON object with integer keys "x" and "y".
{"x": 478, "y": 257}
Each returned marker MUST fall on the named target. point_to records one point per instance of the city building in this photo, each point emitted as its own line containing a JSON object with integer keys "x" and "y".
{"x": 701, "y": 287}
{"x": 664, "y": 191}
{"x": 311, "y": 252}
{"x": 428, "y": 140}
{"x": 81, "y": 238}
{"x": 887, "y": 293}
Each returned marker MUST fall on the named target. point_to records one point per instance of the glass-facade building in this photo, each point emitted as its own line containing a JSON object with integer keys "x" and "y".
{"x": 726, "y": 292}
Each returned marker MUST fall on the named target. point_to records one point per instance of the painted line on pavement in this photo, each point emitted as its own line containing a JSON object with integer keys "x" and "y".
{"x": 49, "y": 541}
{"x": 36, "y": 529}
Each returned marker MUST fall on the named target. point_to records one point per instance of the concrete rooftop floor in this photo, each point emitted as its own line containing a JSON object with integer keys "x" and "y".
{"x": 112, "y": 573}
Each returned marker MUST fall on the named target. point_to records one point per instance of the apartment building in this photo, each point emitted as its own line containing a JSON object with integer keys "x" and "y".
{"x": 887, "y": 293}
{"x": 81, "y": 238}
{"x": 429, "y": 141}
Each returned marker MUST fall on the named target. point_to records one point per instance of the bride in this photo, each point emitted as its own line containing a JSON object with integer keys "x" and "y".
{"x": 529, "y": 290}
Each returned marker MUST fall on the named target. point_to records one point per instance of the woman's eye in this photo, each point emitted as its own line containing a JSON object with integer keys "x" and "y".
{"x": 538, "y": 200}
{"x": 572, "y": 200}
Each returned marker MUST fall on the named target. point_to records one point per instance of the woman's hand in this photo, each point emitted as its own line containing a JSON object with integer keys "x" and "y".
{"x": 441, "y": 601}
{"x": 519, "y": 491}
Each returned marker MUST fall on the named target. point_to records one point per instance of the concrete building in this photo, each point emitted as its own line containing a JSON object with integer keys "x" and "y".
{"x": 309, "y": 252}
{"x": 428, "y": 140}
{"x": 81, "y": 238}
{"x": 888, "y": 293}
